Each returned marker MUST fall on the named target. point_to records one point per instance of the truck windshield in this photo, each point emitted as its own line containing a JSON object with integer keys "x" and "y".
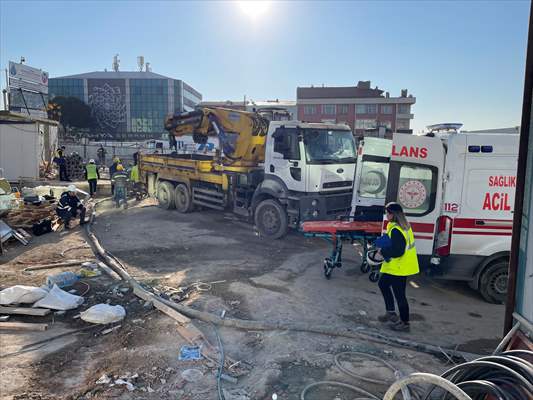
{"x": 323, "y": 146}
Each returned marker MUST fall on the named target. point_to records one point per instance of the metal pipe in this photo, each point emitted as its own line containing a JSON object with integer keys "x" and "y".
{"x": 520, "y": 181}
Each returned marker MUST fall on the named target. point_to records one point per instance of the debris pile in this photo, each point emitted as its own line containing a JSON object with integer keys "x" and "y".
{"x": 30, "y": 213}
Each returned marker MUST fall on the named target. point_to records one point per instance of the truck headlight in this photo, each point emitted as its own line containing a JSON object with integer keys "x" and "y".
{"x": 314, "y": 203}
{"x": 315, "y": 213}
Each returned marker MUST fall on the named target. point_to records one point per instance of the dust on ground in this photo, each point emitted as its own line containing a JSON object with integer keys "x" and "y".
{"x": 247, "y": 276}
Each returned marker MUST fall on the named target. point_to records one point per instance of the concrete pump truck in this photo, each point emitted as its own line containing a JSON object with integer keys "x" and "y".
{"x": 275, "y": 174}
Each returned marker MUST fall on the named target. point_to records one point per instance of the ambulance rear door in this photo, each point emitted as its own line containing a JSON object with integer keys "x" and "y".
{"x": 415, "y": 181}
{"x": 483, "y": 223}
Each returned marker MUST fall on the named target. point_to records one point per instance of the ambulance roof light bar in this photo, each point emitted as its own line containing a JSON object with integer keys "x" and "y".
{"x": 448, "y": 127}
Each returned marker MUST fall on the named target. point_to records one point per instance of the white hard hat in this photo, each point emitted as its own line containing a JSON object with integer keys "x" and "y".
{"x": 91, "y": 161}
{"x": 373, "y": 259}
{"x": 71, "y": 188}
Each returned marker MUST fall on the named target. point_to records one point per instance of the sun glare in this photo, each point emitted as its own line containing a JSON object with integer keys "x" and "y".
{"x": 254, "y": 8}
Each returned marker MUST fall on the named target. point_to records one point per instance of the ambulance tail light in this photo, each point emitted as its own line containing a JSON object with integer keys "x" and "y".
{"x": 444, "y": 236}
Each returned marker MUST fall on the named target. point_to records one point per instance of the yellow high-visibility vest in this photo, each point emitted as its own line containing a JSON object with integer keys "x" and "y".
{"x": 407, "y": 264}
{"x": 134, "y": 174}
{"x": 91, "y": 171}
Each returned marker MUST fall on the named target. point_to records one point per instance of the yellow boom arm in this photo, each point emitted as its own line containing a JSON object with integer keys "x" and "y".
{"x": 241, "y": 134}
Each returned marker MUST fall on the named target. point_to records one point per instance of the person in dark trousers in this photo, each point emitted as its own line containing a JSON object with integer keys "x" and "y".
{"x": 69, "y": 205}
{"x": 112, "y": 171}
{"x": 61, "y": 163}
{"x": 120, "y": 181}
{"x": 400, "y": 262}
{"x": 101, "y": 152}
{"x": 92, "y": 175}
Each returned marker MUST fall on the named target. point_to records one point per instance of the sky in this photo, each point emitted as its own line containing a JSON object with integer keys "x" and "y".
{"x": 464, "y": 61}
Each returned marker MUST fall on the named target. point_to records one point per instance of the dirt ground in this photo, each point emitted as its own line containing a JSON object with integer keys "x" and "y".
{"x": 247, "y": 276}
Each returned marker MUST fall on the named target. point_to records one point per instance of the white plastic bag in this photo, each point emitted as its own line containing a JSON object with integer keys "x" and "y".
{"x": 58, "y": 299}
{"x": 21, "y": 294}
{"x": 103, "y": 314}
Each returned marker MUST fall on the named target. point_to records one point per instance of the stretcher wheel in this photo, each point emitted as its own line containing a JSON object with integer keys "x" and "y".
{"x": 374, "y": 276}
{"x": 328, "y": 267}
{"x": 365, "y": 267}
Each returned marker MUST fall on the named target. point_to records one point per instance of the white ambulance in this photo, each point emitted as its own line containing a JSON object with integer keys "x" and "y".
{"x": 458, "y": 193}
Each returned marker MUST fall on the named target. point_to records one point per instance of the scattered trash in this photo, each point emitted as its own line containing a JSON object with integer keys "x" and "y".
{"x": 192, "y": 375}
{"x": 150, "y": 390}
{"x": 109, "y": 330}
{"x": 103, "y": 314}
{"x": 163, "y": 381}
{"x": 21, "y": 294}
{"x": 58, "y": 299}
{"x": 128, "y": 385}
{"x": 190, "y": 353}
{"x": 362, "y": 313}
{"x": 274, "y": 396}
{"x": 63, "y": 279}
{"x": 103, "y": 380}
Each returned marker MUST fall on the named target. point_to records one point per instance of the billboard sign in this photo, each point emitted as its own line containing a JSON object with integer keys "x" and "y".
{"x": 24, "y": 77}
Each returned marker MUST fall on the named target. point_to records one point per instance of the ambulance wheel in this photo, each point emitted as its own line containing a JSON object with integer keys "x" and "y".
{"x": 328, "y": 267}
{"x": 374, "y": 276}
{"x": 165, "y": 195}
{"x": 365, "y": 267}
{"x": 493, "y": 282}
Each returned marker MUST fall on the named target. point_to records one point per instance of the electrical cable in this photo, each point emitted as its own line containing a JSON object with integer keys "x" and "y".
{"x": 339, "y": 384}
{"x": 221, "y": 366}
{"x": 361, "y": 377}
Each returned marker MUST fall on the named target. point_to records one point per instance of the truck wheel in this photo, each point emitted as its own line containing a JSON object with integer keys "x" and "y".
{"x": 271, "y": 219}
{"x": 182, "y": 198}
{"x": 165, "y": 195}
{"x": 493, "y": 283}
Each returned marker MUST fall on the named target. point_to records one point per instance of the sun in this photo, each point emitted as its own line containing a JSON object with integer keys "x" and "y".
{"x": 254, "y": 8}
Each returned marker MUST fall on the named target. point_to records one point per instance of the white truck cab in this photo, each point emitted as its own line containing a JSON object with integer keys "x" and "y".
{"x": 457, "y": 191}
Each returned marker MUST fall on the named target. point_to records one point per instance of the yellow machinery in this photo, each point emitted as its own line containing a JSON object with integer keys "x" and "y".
{"x": 241, "y": 134}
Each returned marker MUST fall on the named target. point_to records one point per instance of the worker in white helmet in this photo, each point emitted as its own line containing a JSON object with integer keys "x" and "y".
{"x": 69, "y": 205}
{"x": 92, "y": 175}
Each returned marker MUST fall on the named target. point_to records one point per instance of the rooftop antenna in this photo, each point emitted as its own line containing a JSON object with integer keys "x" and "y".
{"x": 140, "y": 63}
{"x": 116, "y": 62}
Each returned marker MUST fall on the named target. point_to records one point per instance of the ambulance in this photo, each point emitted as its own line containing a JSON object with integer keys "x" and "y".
{"x": 457, "y": 190}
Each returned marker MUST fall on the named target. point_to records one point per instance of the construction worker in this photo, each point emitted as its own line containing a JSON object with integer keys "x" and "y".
{"x": 61, "y": 163}
{"x": 69, "y": 205}
{"x": 101, "y": 152}
{"x": 120, "y": 182}
{"x": 92, "y": 175}
{"x": 112, "y": 171}
{"x": 400, "y": 262}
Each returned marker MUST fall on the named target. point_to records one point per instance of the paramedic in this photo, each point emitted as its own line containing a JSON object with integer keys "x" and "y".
{"x": 68, "y": 206}
{"x": 400, "y": 262}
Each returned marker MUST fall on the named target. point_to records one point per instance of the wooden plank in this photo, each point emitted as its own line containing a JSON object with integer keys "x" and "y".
{"x": 56, "y": 265}
{"x": 22, "y": 326}
{"x": 39, "y": 312}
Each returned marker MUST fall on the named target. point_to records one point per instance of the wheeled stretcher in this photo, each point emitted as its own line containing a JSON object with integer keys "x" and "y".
{"x": 335, "y": 232}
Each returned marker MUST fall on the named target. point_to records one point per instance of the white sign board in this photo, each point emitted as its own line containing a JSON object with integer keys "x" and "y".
{"x": 24, "y": 77}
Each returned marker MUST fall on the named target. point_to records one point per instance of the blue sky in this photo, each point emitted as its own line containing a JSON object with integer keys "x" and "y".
{"x": 464, "y": 61}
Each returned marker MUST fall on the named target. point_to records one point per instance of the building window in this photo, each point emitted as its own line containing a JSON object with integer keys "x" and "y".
{"x": 328, "y": 109}
{"x": 309, "y": 109}
{"x": 342, "y": 109}
{"x": 365, "y": 124}
{"x": 402, "y": 124}
{"x": 386, "y": 109}
{"x": 404, "y": 108}
{"x": 366, "y": 109}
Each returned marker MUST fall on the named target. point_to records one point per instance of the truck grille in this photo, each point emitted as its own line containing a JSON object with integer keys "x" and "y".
{"x": 339, "y": 203}
{"x": 338, "y": 184}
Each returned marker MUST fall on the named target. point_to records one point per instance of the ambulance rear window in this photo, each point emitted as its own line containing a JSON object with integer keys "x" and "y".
{"x": 416, "y": 189}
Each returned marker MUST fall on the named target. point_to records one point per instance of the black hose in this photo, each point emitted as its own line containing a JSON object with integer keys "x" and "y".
{"x": 221, "y": 366}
